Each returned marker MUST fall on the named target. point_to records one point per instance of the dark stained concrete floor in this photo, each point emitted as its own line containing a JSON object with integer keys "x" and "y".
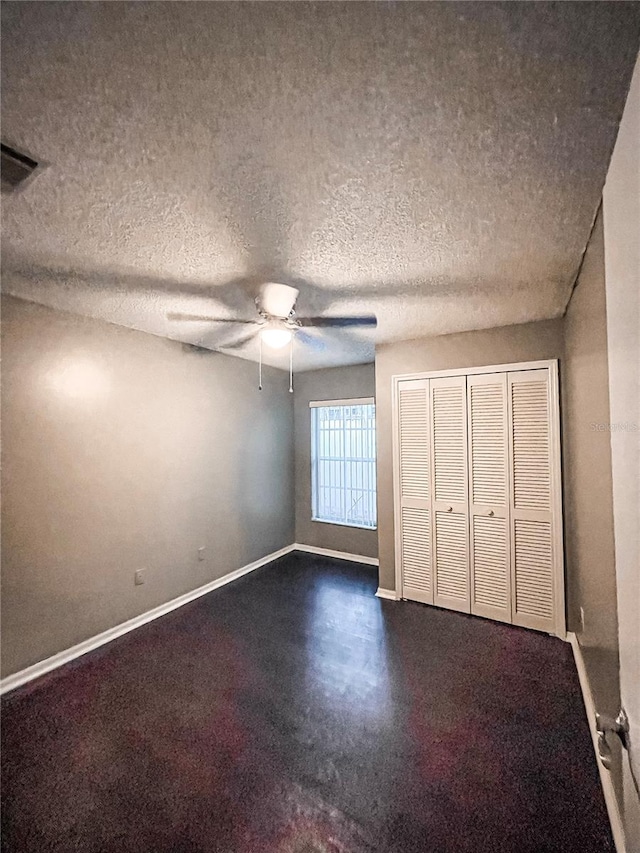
{"x": 294, "y": 712}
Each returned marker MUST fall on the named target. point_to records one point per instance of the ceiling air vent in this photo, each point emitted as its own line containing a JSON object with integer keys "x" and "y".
{"x": 15, "y": 169}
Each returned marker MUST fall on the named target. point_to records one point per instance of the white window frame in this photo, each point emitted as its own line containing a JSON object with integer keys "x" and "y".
{"x": 317, "y": 404}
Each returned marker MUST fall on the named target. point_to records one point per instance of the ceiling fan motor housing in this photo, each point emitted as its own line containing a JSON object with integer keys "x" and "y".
{"x": 277, "y": 300}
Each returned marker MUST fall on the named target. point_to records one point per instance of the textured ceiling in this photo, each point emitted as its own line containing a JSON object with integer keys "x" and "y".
{"x": 438, "y": 164}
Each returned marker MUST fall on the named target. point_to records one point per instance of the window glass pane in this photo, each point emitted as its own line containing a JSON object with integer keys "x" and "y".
{"x": 344, "y": 464}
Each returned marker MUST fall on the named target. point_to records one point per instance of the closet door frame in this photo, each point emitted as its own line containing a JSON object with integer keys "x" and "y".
{"x": 556, "y": 471}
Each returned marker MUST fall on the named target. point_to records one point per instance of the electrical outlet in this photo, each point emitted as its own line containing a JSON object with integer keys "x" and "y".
{"x": 138, "y": 577}
{"x": 201, "y": 553}
{"x": 582, "y": 620}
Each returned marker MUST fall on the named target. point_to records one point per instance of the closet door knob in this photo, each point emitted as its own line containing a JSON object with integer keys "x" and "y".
{"x": 449, "y": 509}
{"x": 491, "y": 513}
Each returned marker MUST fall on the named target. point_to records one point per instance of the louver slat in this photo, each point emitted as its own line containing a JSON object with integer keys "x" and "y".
{"x": 415, "y": 490}
{"x": 487, "y": 445}
{"x": 416, "y": 556}
{"x": 414, "y": 444}
{"x": 534, "y": 569}
{"x": 489, "y": 486}
{"x": 452, "y": 571}
{"x": 530, "y": 436}
{"x": 532, "y": 549}
{"x": 490, "y": 577}
{"x": 450, "y": 478}
{"x": 450, "y": 463}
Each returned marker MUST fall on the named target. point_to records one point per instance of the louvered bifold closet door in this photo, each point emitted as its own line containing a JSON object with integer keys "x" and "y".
{"x": 532, "y": 551}
{"x": 415, "y": 490}
{"x": 489, "y": 495}
{"x": 449, "y": 495}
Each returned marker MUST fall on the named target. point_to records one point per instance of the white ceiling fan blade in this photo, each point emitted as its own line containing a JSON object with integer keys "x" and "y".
{"x": 238, "y": 342}
{"x": 278, "y": 299}
{"x": 308, "y": 340}
{"x": 205, "y": 318}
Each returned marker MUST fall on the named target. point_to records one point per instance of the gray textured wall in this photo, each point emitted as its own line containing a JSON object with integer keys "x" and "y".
{"x": 588, "y": 490}
{"x": 122, "y": 451}
{"x": 526, "y": 342}
{"x": 621, "y": 204}
{"x": 331, "y": 384}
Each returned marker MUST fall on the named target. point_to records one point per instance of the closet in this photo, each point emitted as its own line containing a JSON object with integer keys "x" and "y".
{"x": 478, "y": 508}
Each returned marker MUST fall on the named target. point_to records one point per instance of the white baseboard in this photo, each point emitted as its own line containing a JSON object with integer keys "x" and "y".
{"x": 63, "y": 657}
{"x": 338, "y": 555}
{"x": 59, "y": 659}
{"x": 389, "y": 594}
{"x": 615, "y": 819}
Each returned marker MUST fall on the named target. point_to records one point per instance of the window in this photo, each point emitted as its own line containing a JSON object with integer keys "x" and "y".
{"x": 343, "y": 462}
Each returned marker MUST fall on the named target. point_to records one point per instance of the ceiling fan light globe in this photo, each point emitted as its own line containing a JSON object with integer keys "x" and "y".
{"x": 276, "y": 338}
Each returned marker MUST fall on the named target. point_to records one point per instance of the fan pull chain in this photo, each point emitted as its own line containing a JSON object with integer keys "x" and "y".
{"x": 260, "y": 364}
{"x": 291, "y": 366}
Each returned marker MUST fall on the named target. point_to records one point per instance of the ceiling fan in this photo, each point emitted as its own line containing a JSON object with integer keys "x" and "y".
{"x": 277, "y": 323}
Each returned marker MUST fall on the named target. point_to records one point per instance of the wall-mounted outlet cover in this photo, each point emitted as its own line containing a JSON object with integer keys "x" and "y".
{"x": 201, "y": 553}
{"x": 138, "y": 577}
